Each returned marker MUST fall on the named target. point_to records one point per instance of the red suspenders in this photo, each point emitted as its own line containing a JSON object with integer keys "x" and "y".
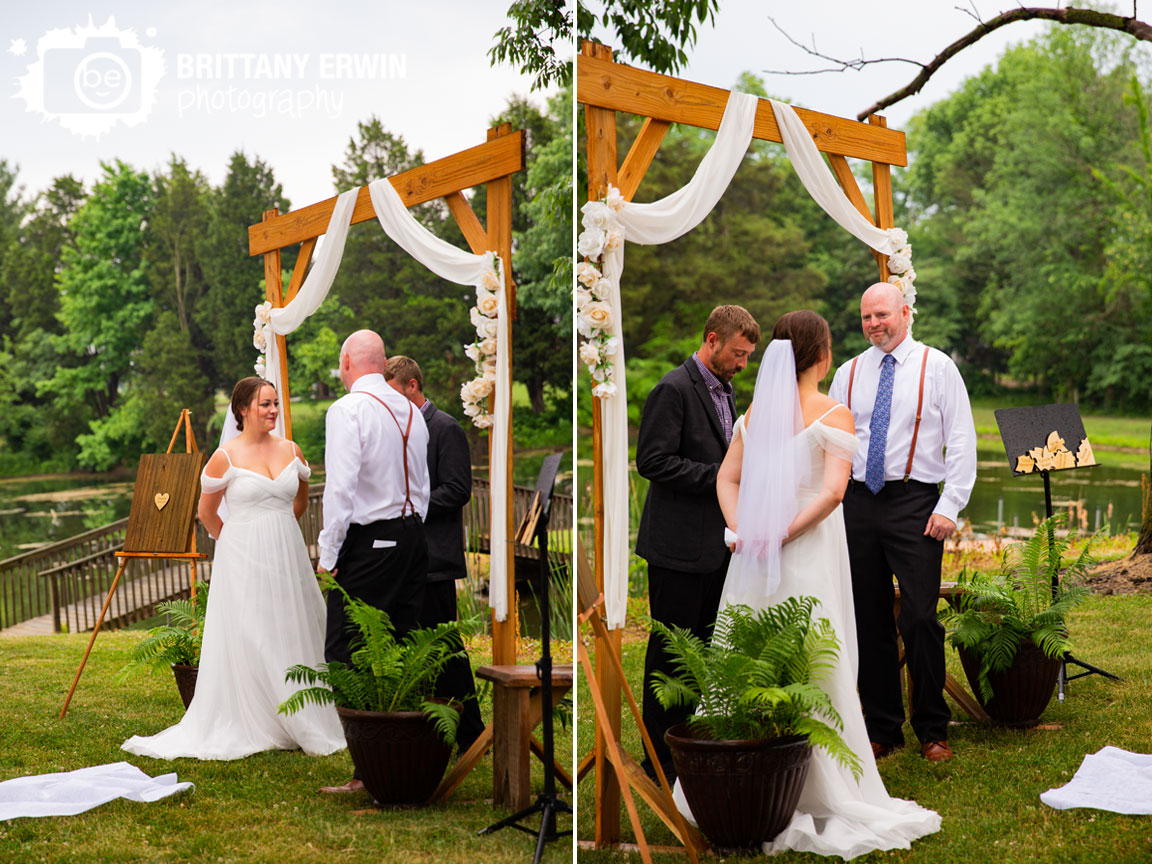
{"x": 404, "y": 437}
{"x": 919, "y": 406}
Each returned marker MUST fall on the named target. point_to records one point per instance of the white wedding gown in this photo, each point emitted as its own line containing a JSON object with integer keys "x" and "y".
{"x": 836, "y": 815}
{"x": 265, "y": 613}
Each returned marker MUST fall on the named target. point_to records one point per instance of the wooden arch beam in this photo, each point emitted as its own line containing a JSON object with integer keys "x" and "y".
{"x": 496, "y": 158}
{"x": 604, "y": 83}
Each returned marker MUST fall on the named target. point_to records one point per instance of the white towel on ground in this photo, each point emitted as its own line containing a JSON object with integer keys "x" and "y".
{"x": 70, "y": 792}
{"x": 1110, "y": 779}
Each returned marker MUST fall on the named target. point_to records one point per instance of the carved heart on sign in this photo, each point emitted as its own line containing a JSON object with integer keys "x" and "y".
{"x": 161, "y": 499}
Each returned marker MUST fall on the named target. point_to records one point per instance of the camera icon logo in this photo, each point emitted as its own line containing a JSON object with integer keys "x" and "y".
{"x": 92, "y": 77}
{"x": 100, "y": 77}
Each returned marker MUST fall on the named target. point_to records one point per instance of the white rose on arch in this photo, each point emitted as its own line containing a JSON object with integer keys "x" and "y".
{"x": 605, "y": 389}
{"x": 482, "y": 421}
{"x": 897, "y": 263}
{"x": 586, "y": 273}
{"x": 598, "y": 314}
{"x": 898, "y": 237}
{"x": 614, "y": 199}
{"x": 613, "y": 239}
{"x": 590, "y": 353}
{"x": 597, "y": 216}
{"x": 590, "y": 244}
{"x": 601, "y": 289}
{"x": 488, "y": 305}
{"x": 488, "y": 347}
{"x": 472, "y": 352}
{"x": 264, "y": 312}
{"x": 258, "y": 341}
{"x": 486, "y": 329}
{"x": 490, "y": 281}
{"x": 583, "y": 298}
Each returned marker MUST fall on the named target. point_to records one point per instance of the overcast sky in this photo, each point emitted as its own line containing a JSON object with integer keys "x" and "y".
{"x": 313, "y": 70}
{"x": 743, "y": 39}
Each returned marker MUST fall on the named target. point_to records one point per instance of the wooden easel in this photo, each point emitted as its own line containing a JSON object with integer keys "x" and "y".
{"x": 164, "y": 536}
{"x": 629, "y": 775}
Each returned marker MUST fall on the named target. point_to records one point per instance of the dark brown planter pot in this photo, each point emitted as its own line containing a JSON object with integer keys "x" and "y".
{"x": 398, "y": 755}
{"x": 185, "y": 682}
{"x": 1021, "y": 692}
{"x": 742, "y": 793}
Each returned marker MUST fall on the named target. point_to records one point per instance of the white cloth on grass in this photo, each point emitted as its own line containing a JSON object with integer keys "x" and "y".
{"x": 67, "y": 793}
{"x": 1109, "y": 779}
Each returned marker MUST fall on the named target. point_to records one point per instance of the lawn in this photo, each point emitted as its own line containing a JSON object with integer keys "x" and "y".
{"x": 988, "y": 795}
{"x": 260, "y": 809}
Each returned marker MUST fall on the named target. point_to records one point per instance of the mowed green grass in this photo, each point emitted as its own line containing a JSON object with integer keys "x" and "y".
{"x": 989, "y": 795}
{"x": 260, "y": 809}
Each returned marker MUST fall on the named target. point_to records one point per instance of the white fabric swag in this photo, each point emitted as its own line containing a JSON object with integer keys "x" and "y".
{"x": 663, "y": 221}
{"x": 447, "y": 262}
{"x": 67, "y": 793}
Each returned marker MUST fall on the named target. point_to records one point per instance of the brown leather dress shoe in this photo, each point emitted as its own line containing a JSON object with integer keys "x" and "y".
{"x": 879, "y": 751}
{"x": 352, "y": 785}
{"x": 936, "y": 751}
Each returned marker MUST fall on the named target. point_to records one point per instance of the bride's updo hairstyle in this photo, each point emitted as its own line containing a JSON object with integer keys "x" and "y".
{"x": 809, "y": 334}
{"x": 244, "y": 392}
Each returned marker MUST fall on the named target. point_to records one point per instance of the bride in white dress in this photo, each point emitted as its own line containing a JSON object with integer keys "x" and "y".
{"x": 265, "y": 611}
{"x": 780, "y": 488}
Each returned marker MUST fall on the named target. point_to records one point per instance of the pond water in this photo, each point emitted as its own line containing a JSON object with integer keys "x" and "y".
{"x": 1098, "y": 497}
{"x": 42, "y": 510}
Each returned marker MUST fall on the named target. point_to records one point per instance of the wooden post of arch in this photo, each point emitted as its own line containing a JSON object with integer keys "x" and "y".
{"x": 492, "y": 164}
{"x": 605, "y": 87}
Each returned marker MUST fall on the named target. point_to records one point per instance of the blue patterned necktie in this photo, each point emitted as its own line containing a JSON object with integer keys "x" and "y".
{"x": 878, "y": 426}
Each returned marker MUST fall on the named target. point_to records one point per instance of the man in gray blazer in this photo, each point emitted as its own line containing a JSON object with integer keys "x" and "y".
{"x": 684, "y": 433}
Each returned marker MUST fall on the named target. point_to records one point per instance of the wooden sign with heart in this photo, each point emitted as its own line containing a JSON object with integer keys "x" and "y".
{"x": 161, "y": 498}
{"x": 164, "y": 502}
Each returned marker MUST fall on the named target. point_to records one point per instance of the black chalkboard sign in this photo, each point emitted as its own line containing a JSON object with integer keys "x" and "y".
{"x": 1041, "y": 438}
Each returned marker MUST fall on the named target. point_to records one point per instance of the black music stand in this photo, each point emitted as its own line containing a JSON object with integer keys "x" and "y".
{"x": 1040, "y": 439}
{"x": 548, "y": 803}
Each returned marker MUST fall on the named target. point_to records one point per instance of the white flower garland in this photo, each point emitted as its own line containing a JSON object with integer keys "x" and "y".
{"x": 262, "y": 325}
{"x": 900, "y": 266}
{"x": 602, "y": 233}
{"x": 474, "y": 394}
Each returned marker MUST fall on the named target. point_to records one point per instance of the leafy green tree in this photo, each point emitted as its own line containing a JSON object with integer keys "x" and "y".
{"x": 1017, "y": 229}
{"x": 233, "y": 280}
{"x": 653, "y": 35}
{"x": 105, "y": 302}
{"x": 179, "y": 219}
{"x": 12, "y": 212}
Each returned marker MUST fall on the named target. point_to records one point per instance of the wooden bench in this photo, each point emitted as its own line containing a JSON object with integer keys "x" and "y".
{"x": 948, "y": 591}
{"x": 517, "y": 709}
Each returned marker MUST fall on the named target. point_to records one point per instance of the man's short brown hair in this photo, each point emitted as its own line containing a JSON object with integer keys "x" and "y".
{"x": 404, "y": 368}
{"x": 728, "y": 321}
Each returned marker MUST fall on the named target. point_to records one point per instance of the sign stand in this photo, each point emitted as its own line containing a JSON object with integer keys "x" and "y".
{"x": 162, "y": 520}
{"x": 1039, "y": 439}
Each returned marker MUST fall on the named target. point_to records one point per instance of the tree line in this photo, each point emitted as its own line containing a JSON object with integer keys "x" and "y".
{"x": 124, "y": 301}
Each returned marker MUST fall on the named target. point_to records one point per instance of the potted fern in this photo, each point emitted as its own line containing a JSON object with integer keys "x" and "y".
{"x": 1010, "y": 625}
{"x": 743, "y": 756}
{"x": 399, "y": 736}
{"x": 175, "y": 643}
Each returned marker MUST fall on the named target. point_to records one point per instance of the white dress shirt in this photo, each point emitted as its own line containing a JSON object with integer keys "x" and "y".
{"x": 946, "y": 420}
{"x": 364, "y": 470}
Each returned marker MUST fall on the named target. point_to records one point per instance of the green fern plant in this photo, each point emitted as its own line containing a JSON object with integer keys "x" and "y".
{"x": 995, "y": 612}
{"x": 176, "y": 642}
{"x": 384, "y": 675}
{"x": 758, "y": 678}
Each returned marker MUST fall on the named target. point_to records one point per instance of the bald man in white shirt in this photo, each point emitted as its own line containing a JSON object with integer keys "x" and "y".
{"x": 897, "y": 516}
{"x": 376, "y": 491}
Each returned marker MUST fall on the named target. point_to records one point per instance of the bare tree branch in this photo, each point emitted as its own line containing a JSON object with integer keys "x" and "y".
{"x": 841, "y": 65}
{"x": 1086, "y": 17}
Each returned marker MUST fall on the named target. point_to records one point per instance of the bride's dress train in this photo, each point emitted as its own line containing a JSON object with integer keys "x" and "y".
{"x": 836, "y": 814}
{"x": 265, "y": 613}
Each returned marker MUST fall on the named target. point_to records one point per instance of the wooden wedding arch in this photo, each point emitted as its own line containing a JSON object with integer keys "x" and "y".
{"x": 605, "y": 87}
{"x": 491, "y": 164}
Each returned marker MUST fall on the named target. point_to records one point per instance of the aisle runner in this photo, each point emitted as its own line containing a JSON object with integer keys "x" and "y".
{"x": 70, "y": 792}
{"x": 1111, "y": 779}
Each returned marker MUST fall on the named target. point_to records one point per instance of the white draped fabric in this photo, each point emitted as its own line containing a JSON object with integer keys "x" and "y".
{"x": 447, "y": 262}
{"x": 663, "y": 221}
{"x": 67, "y": 793}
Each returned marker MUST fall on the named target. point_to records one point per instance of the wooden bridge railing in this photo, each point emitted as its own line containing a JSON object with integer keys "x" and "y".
{"x": 70, "y": 578}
